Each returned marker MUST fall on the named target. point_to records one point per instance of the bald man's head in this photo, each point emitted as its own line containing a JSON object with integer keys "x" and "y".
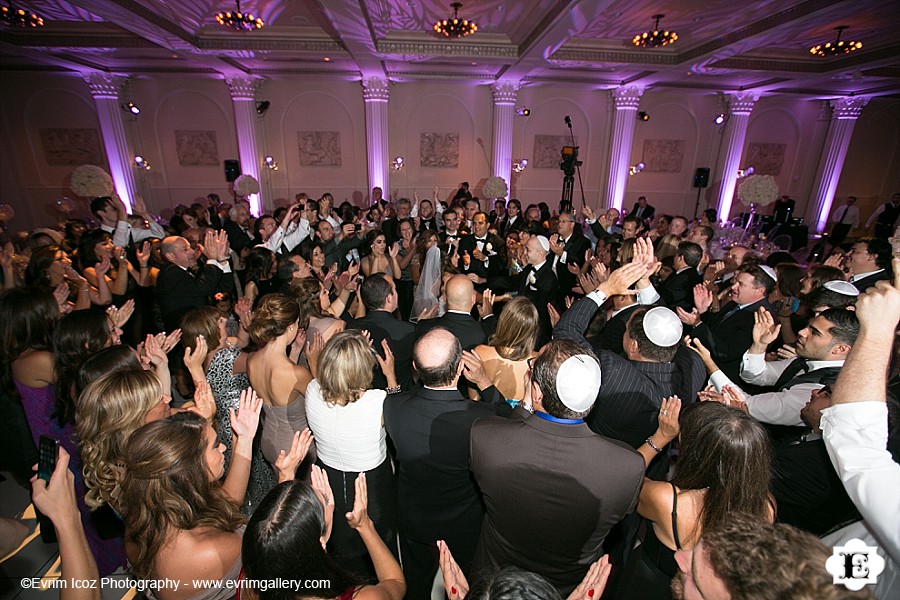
{"x": 460, "y": 293}
{"x": 436, "y": 357}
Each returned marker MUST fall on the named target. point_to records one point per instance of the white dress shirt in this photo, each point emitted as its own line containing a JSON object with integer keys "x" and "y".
{"x": 778, "y": 408}
{"x": 852, "y": 218}
{"x": 123, "y": 232}
{"x": 856, "y": 438}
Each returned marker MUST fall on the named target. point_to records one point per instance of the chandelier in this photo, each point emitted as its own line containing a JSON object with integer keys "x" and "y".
{"x": 455, "y": 27}
{"x": 239, "y": 20}
{"x": 655, "y": 38}
{"x": 838, "y": 46}
{"x": 17, "y": 17}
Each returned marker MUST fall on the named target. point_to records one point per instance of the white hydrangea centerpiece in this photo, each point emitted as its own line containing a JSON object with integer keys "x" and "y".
{"x": 246, "y": 185}
{"x": 495, "y": 187}
{"x": 758, "y": 189}
{"x": 90, "y": 181}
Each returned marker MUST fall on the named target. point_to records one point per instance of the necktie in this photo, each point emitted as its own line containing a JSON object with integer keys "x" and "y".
{"x": 731, "y": 312}
{"x": 843, "y": 214}
{"x": 797, "y": 367}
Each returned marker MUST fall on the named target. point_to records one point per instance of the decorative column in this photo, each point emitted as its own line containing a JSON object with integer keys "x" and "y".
{"x": 375, "y": 95}
{"x": 504, "y": 95}
{"x": 845, "y": 111}
{"x": 740, "y": 106}
{"x": 626, "y": 101}
{"x": 105, "y": 89}
{"x": 243, "y": 102}
{"x": 810, "y": 168}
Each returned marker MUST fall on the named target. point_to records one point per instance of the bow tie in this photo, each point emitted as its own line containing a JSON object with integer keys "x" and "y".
{"x": 482, "y": 239}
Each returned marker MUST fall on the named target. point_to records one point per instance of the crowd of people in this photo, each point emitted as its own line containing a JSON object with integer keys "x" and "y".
{"x": 539, "y": 404}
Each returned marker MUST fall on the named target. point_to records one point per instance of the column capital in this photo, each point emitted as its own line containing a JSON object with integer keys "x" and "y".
{"x": 741, "y": 103}
{"x": 627, "y": 97}
{"x": 849, "y": 107}
{"x": 505, "y": 92}
{"x": 242, "y": 88}
{"x": 824, "y": 111}
{"x": 105, "y": 85}
{"x": 376, "y": 89}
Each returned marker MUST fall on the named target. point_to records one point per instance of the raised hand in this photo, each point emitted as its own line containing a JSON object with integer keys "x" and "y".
{"x": 56, "y": 499}
{"x": 669, "y": 409}
{"x": 6, "y": 255}
{"x": 204, "y": 403}
{"x": 102, "y": 267}
{"x": 242, "y": 310}
{"x": 765, "y": 331}
{"x": 455, "y": 584}
{"x": 193, "y": 359}
{"x": 588, "y": 213}
{"x": 594, "y": 582}
{"x": 835, "y": 260}
{"x": 554, "y": 314}
{"x": 786, "y": 352}
{"x": 643, "y": 251}
{"x": 622, "y": 279}
{"x": 61, "y": 293}
{"x": 710, "y": 395}
{"x": 319, "y": 484}
{"x": 170, "y": 341}
{"x": 143, "y": 254}
{"x": 703, "y": 298}
{"x": 138, "y": 207}
{"x": 487, "y": 303}
{"x": 245, "y": 422}
{"x": 688, "y": 318}
{"x": 287, "y": 462}
{"x": 386, "y": 363}
{"x": 359, "y": 516}
{"x": 394, "y": 250}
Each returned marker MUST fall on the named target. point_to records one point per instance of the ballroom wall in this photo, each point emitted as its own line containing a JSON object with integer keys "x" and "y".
{"x": 316, "y": 132}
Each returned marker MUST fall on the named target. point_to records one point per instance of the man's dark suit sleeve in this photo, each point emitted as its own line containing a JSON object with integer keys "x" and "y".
{"x": 599, "y": 232}
{"x": 574, "y": 322}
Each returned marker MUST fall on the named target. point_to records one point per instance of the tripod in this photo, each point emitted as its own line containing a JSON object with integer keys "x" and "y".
{"x": 569, "y": 166}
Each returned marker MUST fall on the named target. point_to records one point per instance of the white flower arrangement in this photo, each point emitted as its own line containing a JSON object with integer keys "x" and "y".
{"x": 758, "y": 189}
{"x": 495, "y": 187}
{"x": 246, "y": 185}
{"x": 89, "y": 181}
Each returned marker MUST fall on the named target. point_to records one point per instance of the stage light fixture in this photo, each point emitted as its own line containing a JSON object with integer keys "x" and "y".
{"x": 520, "y": 165}
{"x": 397, "y": 164}
{"x": 643, "y": 116}
{"x": 270, "y": 163}
{"x": 132, "y": 108}
{"x": 523, "y": 111}
{"x": 262, "y": 107}
{"x": 720, "y": 118}
{"x": 141, "y": 163}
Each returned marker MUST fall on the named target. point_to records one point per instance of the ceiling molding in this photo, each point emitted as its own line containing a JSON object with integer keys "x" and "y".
{"x": 437, "y": 47}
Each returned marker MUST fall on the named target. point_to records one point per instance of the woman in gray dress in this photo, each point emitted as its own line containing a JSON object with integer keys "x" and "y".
{"x": 218, "y": 358}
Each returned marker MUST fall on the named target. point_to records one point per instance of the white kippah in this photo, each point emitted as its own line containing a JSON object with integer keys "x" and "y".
{"x": 544, "y": 242}
{"x": 662, "y": 327}
{"x": 770, "y": 272}
{"x": 841, "y": 287}
{"x": 578, "y": 382}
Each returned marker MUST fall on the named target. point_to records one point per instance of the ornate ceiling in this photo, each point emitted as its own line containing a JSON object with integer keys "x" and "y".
{"x": 722, "y": 45}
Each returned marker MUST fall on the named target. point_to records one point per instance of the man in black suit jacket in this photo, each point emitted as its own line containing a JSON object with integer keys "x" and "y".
{"x": 806, "y": 488}
{"x": 643, "y": 211}
{"x": 379, "y": 295}
{"x": 610, "y": 338}
{"x": 391, "y": 227}
{"x": 538, "y": 283}
{"x": 870, "y": 262}
{"x": 729, "y": 333}
{"x": 482, "y": 254}
{"x": 678, "y": 289}
{"x": 552, "y": 488}
{"x": 240, "y": 236}
{"x": 437, "y": 496}
{"x": 568, "y": 247}
{"x": 459, "y": 293}
{"x": 177, "y": 289}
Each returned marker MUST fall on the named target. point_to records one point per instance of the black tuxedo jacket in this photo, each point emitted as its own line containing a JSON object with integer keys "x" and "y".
{"x": 647, "y": 215}
{"x": 238, "y": 239}
{"x": 496, "y": 265}
{"x": 575, "y": 248}
{"x": 401, "y": 337}
{"x": 391, "y": 229}
{"x": 178, "y": 290}
{"x": 869, "y": 281}
{"x": 678, "y": 289}
{"x": 727, "y": 338}
{"x": 807, "y": 489}
{"x": 504, "y": 226}
{"x": 437, "y": 496}
{"x": 457, "y": 236}
{"x": 467, "y": 330}
{"x": 544, "y": 290}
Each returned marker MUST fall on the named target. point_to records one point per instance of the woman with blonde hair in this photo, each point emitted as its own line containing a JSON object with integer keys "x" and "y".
{"x": 346, "y": 417}
{"x": 667, "y": 246}
{"x": 216, "y": 358}
{"x": 108, "y": 411}
{"x": 279, "y": 381}
{"x": 506, "y": 354}
{"x": 181, "y": 521}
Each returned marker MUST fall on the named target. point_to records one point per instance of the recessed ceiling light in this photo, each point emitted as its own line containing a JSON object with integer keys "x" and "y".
{"x": 326, "y": 59}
